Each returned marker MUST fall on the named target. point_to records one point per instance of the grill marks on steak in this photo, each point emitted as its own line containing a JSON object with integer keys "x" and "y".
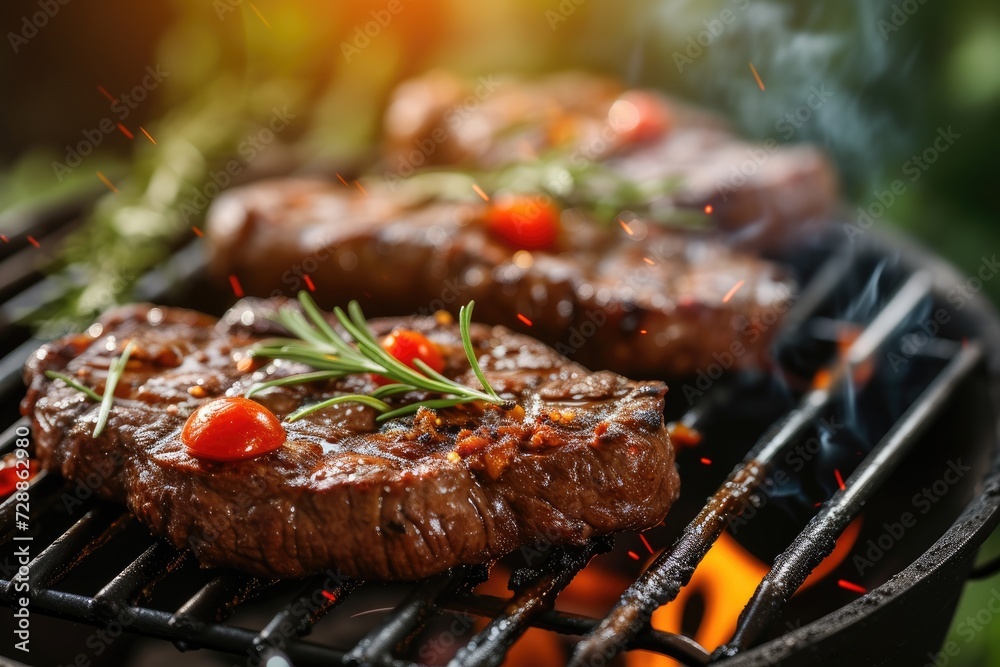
{"x": 591, "y": 297}
{"x": 590, "y": 457}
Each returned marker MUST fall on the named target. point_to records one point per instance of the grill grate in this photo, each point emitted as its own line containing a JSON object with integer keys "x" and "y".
{"x": 201, "y": 620}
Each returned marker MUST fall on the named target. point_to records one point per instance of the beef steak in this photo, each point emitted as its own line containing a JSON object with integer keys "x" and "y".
{"x": 400, "y": 500}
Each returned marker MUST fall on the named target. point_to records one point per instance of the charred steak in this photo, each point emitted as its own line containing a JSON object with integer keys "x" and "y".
{"x": 763, "y": 194}
{"x": 641, "y": 299}
{"x": 400, "y": 500}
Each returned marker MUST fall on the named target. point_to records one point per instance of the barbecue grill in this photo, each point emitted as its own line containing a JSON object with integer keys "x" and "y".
{"x": 894, "y": 393}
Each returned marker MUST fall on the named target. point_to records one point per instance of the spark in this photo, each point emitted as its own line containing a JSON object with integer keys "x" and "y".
{"x": 363, "y": 191}
{"x": 329, "y": 596}
{"x": 259, "y": 15}
{"x": 628, "y": 230}
{"x": 372, "y": 611}
{"x": 524, "y": 319}
{"x": 708, "y": 209}
{"x": 756, "y": 76}
{"x": 148, "y": 136}
{"x": 125, "y": 131}
{"x": 479, "y": 191}
{"x": 642, "y": 331}
{"x": 649, "y": 261}
{"x": 705, "y": 460}
{"x": 649, "y": 547}
{"x": 107, "y": 94}
{"x": 197, "y": 232}
{"x": 840, "y": 479}
{"x": 732, "y": 291}
{"x": 851, "y": 586}
{"x": 104, "y": 179}
{"x": 33, "y": 241}
{"x": 237, "y": 288}
{"x": 309, "y": 282}
{"x": 633, "y": 555}
{"x": 346, "y": 184}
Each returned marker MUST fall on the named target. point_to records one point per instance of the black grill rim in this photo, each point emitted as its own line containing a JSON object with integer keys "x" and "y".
{"x": 971, "y": 529}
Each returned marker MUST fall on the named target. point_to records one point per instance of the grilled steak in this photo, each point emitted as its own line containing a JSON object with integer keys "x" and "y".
{"x": 401, "y": 500}
{"x": 764, "y": 194}
{"x": 639, "y": 299}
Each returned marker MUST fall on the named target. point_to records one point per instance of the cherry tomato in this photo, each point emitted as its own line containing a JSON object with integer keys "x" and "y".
{"x": 407, "y": 345}
{"x": 11, "y": 474}
{"x": 232, "y": 429}
{"x": 524, "y": 222}
{"x": 640, "y": 116}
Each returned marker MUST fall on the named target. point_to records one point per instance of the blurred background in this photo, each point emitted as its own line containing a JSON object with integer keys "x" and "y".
{"x": 141, "y": 105}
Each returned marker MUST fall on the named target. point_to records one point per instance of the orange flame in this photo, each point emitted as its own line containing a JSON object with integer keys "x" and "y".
{"x": 726, "y": 580}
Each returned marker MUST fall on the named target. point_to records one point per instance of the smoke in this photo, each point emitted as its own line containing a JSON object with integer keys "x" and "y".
{"x": 705, "y": 49}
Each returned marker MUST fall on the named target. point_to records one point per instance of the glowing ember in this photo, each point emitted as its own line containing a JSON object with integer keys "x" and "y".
{"x": 346, "y": 184}
{"x": 840, "y": 479}
{"x": 633, "y": 555}
{"x": 197, "y": 232}
{"x": 705, "y": 460}
{"x": 3, "y": 237}
{"x": 104, "y": 179}
{"x": 756, "y": 76}
{"x": 645, "y": 542}
{"x": 309, "y": 282}
{"x": 107, "y": 94}
{"x": 708, "y": 209}
{"x": 683, "y": 435}
{"x": 33, "y": 241}
{"x": 479, "y": 191}
{"x": 649, "y": 261}
{"x": 642, "y": 331}
{"x": 360, "y": 187}
{"x": 148, "y": 135}
{"x": 628, "y": 230}
{"x": 124, "y": 130}
{"x": 735, "y": 288}
{"x": 851, "y": 586}
{"x": 524, "y": 319}
{"x": 237, "y": 288}
{"x": 329, "y": 596}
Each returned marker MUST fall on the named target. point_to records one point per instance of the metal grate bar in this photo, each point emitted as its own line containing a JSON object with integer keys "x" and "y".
{"x": 378, "y": 646}
{"x": 155, "y": 623}
{"x": 149, "y": 566}
{"x": 536, "y": 593}
{"x": 213, "y": 603}
{"x": 673, "y": 568}
{"x": 818, "y": 539}
{"x": 92, "y": 530}
{"x": 667, "y": 643}
{"x": 298, "y": 617}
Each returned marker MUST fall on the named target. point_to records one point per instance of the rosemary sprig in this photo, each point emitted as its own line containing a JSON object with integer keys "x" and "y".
{"x": 318, "y": 345}
{"x": 115, "y": 371}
